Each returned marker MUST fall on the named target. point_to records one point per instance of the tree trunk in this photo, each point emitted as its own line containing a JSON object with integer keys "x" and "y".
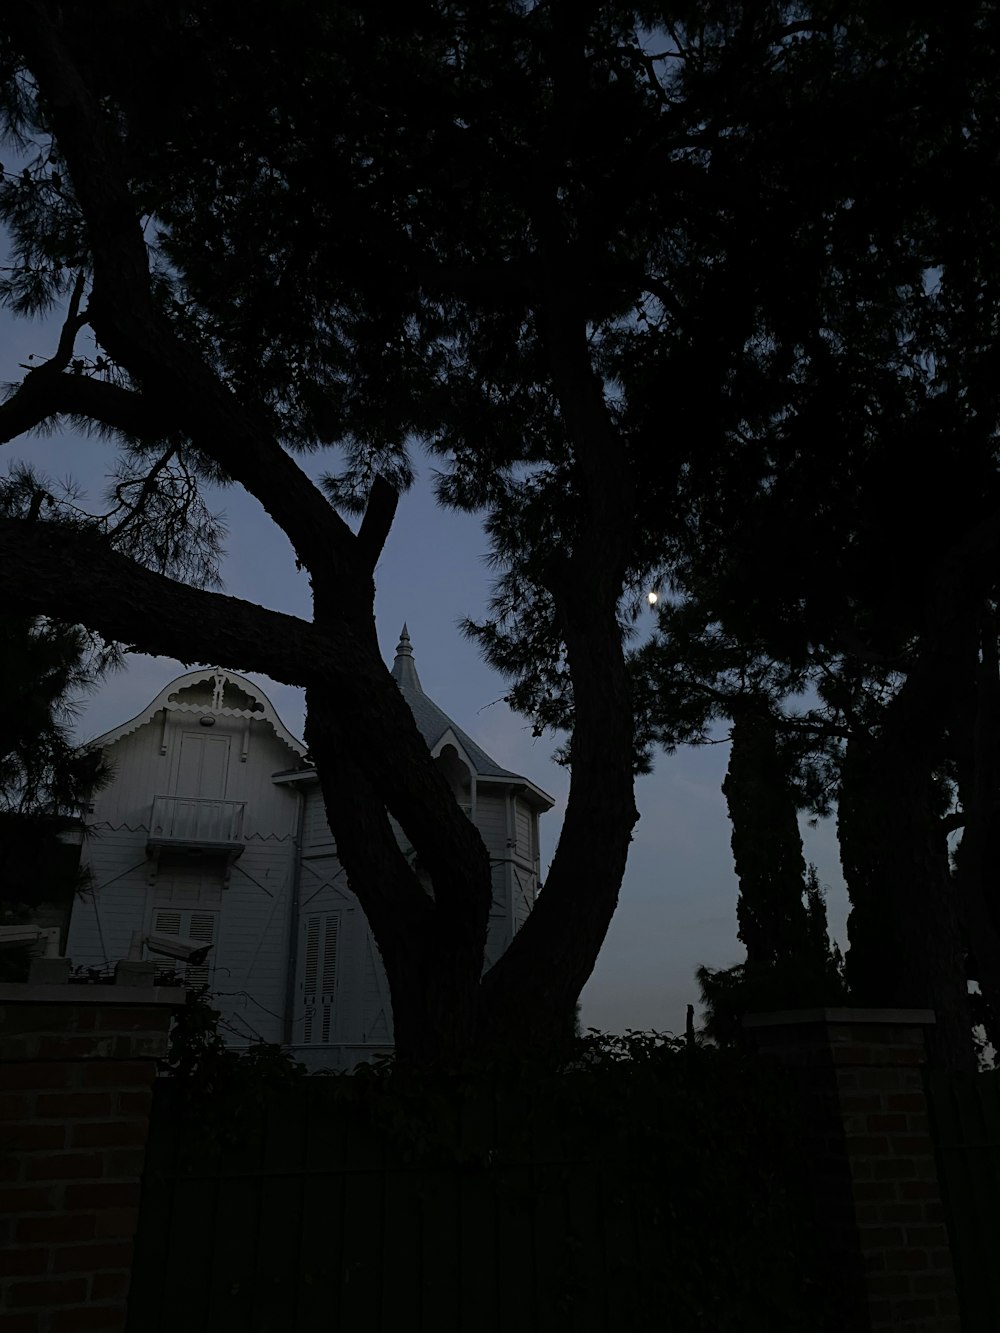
{"x": 976, "y": 744}
{"x": 767, "y": 845}
{"x": 369, "y": 754}
{"x": 372, "y": 761}
{"x": 905, "y": 941}
{"x": 529, "y": 996}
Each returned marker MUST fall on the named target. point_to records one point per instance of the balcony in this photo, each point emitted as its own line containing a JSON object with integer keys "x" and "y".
{"x": 197, "y": 822}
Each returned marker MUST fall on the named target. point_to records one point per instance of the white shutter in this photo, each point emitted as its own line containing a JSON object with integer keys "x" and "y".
{"x": 192, "y": 887}
{"x": 319, "y": 976}
{"x": 203, "y": 765}
{"x": 201, "y": 927}
{"x": 194, "y": 926}
{"x": 522, "y": 831}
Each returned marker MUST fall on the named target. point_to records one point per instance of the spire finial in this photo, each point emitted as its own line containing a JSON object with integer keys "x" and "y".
{"x": 404, "y": 669}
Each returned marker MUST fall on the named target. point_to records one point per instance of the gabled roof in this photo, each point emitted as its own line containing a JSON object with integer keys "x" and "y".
{"x": 434, "y": 724}
{"x": 437, "y": 729}
{"x": 230, "y": 695}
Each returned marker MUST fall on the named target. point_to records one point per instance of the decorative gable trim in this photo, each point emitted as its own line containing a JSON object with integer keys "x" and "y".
{"x": 261, "y": 709}
{"x": 451, "y": 737}
{"x": 522, "y": 787}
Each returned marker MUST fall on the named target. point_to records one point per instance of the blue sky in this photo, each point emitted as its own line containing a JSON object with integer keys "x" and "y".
{"x": 678, "y": 901}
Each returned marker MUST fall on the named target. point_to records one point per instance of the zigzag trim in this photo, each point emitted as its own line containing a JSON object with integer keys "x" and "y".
{"x": 162, "y": 700}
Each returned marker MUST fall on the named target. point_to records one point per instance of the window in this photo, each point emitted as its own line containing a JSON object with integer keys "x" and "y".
{"x": 192, "y": 925}
{"x": 319, "y": 975}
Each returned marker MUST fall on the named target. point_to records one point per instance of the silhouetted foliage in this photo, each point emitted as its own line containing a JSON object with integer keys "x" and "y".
{"x": 674, "y": 296}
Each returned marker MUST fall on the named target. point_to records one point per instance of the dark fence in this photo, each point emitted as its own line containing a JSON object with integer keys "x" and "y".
{"x": 965, "y": 1112}
{"x": 317, "y": 1217}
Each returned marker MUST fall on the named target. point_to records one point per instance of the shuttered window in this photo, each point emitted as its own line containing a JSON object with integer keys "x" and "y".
{"x": 200, "y": 926}
{"x": 523, "y": 830}
{"x": 319, "y": 975}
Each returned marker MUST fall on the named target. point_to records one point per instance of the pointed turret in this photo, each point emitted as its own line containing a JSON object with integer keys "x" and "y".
{"x": 434, "y": 723}
{"x": 404, "y": 669}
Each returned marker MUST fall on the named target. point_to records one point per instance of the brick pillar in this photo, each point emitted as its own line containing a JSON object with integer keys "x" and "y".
{"x": 77, "y": 1065}
{"x": 871, "y": 1174}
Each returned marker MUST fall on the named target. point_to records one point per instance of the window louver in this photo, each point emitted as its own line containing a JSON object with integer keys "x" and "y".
{"x": 320, "y": 977}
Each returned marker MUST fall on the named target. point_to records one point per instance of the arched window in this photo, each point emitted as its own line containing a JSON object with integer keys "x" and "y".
{"x": 458, "y": 777}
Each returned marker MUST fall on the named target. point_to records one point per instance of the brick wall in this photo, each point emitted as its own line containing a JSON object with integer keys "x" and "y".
{"x": 76, "y": 1068}
{"x": 872, "y": 1186}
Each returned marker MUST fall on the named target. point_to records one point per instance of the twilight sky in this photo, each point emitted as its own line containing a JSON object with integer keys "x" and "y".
{"x": 678, "y": 901}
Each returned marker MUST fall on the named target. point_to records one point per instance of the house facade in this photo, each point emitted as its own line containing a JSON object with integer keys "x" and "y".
{"x": 210, "y": 852}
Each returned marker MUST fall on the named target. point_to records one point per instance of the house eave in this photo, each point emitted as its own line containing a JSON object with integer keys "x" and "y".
{"x": 286, "y": 777}
{"x": 522, "y": 786}
{"x": 162, "y": 701}
{"x": 533, "y": 793}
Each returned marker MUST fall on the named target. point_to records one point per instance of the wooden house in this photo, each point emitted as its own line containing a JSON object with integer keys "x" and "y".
{"x": 213, "y": 833}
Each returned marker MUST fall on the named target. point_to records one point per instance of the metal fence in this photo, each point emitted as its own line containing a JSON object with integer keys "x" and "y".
{"x": 310, "y": 1224}
{"x": 965, "y": 1113}
{"x": 196, "y": 821}
{"x": 311, "y": 1221}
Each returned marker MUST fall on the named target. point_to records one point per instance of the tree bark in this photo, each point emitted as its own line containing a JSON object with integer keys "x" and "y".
{"x": 767, "y": 844}
{"x": 432, "y": 946}
{"x": 531, "y": 993}
{"x": 905, "y": 927}
{"x": 976, "y": 741}
{"x": 905, "y": 940}
{"x": 370, "y": 756}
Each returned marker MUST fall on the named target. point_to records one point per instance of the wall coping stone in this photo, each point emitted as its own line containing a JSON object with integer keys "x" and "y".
{"x": 790, "y": 1017}
{"x": 21, "y": 992}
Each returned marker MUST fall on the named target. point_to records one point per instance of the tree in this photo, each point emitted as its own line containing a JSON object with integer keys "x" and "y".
{"x": 899, "y": 673}
{"x": 781, "y": 914}
{"x": 45, "y": 778}
{"x": 44, "y": 667}
{"x": 512, "y": 231}
{"x": 170, "y": 380}
{"x": 866, "y": 575}
{"x": 846, "y": 542}
{"x": 691, "y": 677}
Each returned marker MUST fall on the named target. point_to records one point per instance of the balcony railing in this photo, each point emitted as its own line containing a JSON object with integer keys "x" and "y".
{"x": 196, "y": 821}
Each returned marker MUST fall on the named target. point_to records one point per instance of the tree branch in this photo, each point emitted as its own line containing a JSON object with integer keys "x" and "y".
{"x": 28, "y": 406}
{"x": 123, "y": 314}
{"x": 137, "y": 508}
{"x": 375, "y": 525}
{"x": 73, "y": 323}
{"x": 37, "y": 401}
{"x": 71, "y": 574}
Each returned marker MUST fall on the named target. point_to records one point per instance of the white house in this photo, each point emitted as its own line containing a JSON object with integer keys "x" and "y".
{"x": 213, "y": 832}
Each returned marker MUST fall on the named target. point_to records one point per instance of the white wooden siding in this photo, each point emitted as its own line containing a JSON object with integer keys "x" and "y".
{"x": 491, "y": 818}
{"x": 323, "y": 885}
{"x": 320, "y": 974}
{"x": 524, "y": 889}
{"x": 272, "y": 809}
{"x": 524, "y": 842}
{"x": 375, "y": 1010}
{"x": 252, "y": 957}
{"x": 179, "y": 885}
{"x": 194, "y": 925}
{"x": 104, "y": 918}
{"x": 338, "y": 974}
{"x": 333, "y": 1016}
{"x": 202, "y": 763}
{"x": 316, "y": 836}
{"x": 142, "y": 772}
